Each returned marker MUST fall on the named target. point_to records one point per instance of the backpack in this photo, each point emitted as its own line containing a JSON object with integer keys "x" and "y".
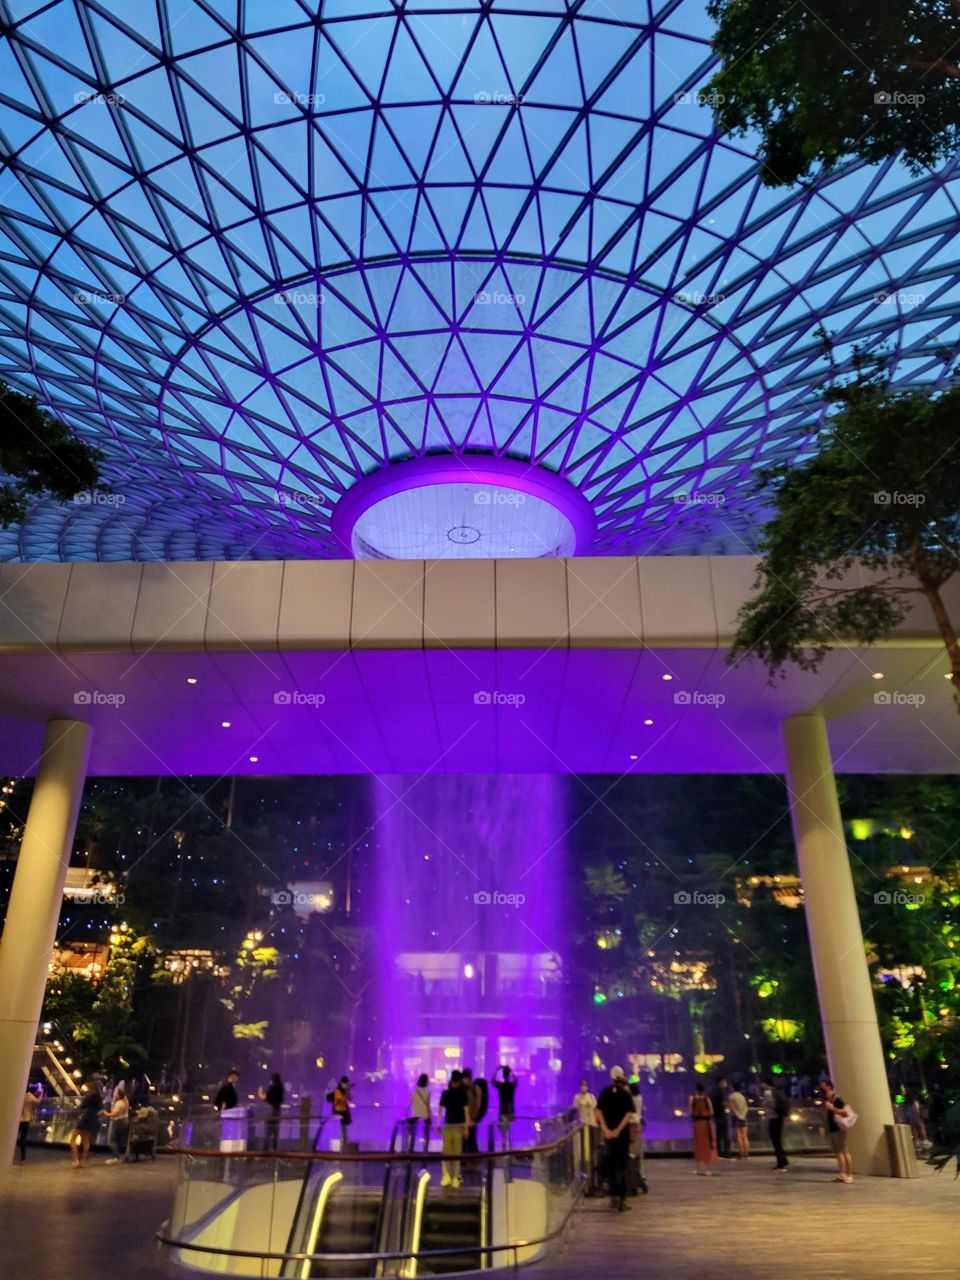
{"x": 484, "y": 1092}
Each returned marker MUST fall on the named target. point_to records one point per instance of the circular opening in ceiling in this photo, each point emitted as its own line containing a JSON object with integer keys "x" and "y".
{"x": 450, "y": 508}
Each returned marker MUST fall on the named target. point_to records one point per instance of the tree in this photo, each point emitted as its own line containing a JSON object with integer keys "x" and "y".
{"x": 41, "y": 455}
{"x": 883, "y": 489}
{"x": 841, "y": 79}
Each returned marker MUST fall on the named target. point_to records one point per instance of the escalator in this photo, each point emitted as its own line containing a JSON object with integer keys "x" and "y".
{"x": 350, "y": 1224}
{"x": 451, "y": 1220}
{"x": 335, "y": 1217}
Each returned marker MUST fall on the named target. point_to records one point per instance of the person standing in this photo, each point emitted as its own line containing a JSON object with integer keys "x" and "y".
{"x": 273, "y": 1095}
{"x": 585, "y": 1105}
{"x": 638, "y": 1181}
{"x": 506, "y": 1109}
{"x": 456, "y": 1126}
{"x": 419, "y": 1112}
{"x": 938, "y": 1104}
{"x": 473, "y": 1109}
{"x": 614, "y": 1114}
{"x": 86, "y": 1125}
{"x": 342, "y": 1096}
{"x": 718, "y": 1100}
{"x": 700, "y": 1109}
{"x": 777, "y": 1109}
{"x": 118, "y": 1113}
{"x": 737, "y": 1105}
{"x": 28, "y": 1111}
{"x": 837, "y": 1133}
{"x": 913, "y": 1115}
{"x": 226, "y": 1097}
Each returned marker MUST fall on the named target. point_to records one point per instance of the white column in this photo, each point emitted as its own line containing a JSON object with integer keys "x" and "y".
{"x": 847, "y": 1008}
{"x": 34, "y": 910}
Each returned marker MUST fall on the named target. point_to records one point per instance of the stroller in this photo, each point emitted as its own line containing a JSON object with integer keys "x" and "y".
{"x": 144, "y": 1130}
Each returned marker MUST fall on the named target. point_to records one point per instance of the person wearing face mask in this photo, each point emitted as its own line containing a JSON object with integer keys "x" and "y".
{"x": 585, "y": 1105}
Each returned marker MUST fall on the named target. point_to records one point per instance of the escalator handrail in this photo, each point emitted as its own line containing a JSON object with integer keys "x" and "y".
{"x": 446, "y": 1251}
{"x": 382, "y": 1216}
{"x": 423, "y": 1181}
{"x": 329, "y": 1182}
{"x": 428, "y": 1157}
{"x": 295, "y": 1221}
{"x": 485, "y": 1250}
{"x": 487, "y": 1208}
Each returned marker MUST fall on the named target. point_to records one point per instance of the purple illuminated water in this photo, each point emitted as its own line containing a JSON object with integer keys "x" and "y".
{"x": 470, "y": 875}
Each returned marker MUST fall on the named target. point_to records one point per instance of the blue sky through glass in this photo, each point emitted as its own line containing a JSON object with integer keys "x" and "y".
{"x": 261, "y": 249}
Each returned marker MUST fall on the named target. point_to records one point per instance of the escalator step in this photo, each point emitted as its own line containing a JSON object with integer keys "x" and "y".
{"x": 454, "y": 1262}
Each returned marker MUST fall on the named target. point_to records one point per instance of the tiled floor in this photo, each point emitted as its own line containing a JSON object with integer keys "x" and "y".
{"x": 749, "y": 1223}
{"x": 745, "y": 1223}
{"x": 90, "y": 1224}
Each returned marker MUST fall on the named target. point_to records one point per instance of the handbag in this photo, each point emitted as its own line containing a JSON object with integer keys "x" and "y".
{"x": 847, "y": 1121}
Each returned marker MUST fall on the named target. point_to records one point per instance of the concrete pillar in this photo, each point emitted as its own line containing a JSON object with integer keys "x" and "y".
{"x": 847, "y": 1008}
{"x": 34, "y": 910}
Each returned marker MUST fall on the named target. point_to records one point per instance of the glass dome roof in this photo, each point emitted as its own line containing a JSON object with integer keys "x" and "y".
{"x": 258, "y": 251}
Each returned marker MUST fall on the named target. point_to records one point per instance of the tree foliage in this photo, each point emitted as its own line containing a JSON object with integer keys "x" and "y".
{"x": 881, "y": 490}
{"x": 841, "y": 79}
{"x": 39, "y": 455}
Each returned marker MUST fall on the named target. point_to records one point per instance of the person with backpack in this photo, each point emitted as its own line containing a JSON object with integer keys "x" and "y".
{"x": 777, "y": 1110}
{"x": 700, "y": 1110}
{"x": 340, "y": 1098}
{"x": 840, "y": 1118}
{"x": 478, "y": 1101}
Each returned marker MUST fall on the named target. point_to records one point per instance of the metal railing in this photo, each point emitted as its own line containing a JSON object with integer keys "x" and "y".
{"x": 372, "y": 1209}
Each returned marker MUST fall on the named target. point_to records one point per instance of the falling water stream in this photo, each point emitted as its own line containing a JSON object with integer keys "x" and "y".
{"x": 469, "y": 881}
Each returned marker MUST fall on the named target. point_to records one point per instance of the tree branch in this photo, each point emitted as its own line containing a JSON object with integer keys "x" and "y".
{"x": 949, "y": 69}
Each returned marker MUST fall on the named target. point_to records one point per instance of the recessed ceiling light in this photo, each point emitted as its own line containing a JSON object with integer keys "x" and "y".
{"x": 666, "y": 676}
{"x": 648, "y": 722}
{"x": 191, "y": 679}
{"x": 634, "y": 757}
{"x": 224, "y": 724}
{"x": 878, "y": 675}
{"x": 254, "y": 759}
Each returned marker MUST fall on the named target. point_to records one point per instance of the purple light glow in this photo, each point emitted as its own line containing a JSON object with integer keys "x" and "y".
{"x": 469, "y": 884}
{"x": 512, "y": 508}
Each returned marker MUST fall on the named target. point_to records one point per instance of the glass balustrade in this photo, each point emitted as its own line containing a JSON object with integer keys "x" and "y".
{"x": 305, "y": 1213}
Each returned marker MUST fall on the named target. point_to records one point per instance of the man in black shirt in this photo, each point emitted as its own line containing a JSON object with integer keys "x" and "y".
{"x": 777, "y": 1109}
{"x": 718, "y": 1096}
{"x": 614, "y": 1115}
{"x": 226, "y": 1098}
{"x": 456, "y": 1125}
{"x": 506, "y": 1091}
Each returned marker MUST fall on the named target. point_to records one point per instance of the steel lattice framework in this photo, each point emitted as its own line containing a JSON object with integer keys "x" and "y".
{"x": 257, "y": 249}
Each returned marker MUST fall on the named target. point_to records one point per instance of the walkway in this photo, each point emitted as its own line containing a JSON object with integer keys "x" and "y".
{"x": 57, "y": 1223}
{"x": 746, "y": 1223}
{"x": 749, "y": 1223}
